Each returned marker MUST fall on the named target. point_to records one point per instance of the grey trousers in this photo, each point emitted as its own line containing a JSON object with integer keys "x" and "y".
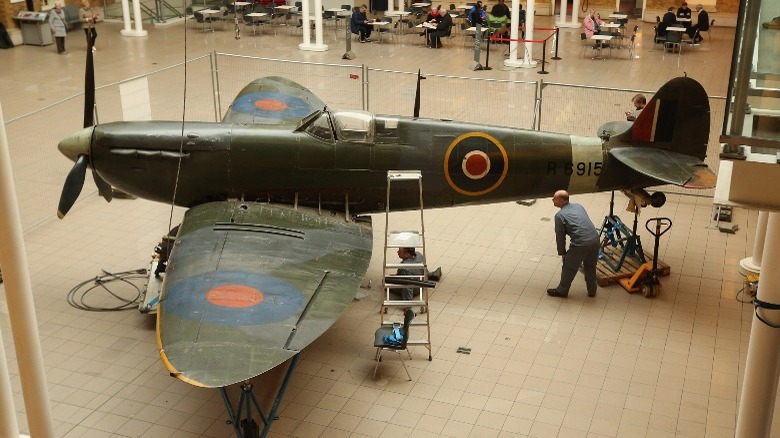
{"x": 586, "y": 255}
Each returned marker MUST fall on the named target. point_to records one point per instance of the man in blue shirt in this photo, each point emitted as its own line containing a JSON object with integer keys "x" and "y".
{"x": 572, "y": 220}
{"x": 359, "y": 24}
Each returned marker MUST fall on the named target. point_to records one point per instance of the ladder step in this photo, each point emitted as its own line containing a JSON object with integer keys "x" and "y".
{"x": 404, "y": 265}
{"x": 404, "y": 303}
{"x": 403, "y": 239}
{"x": 401, "y": 175}
{"x": 417, "y": 323}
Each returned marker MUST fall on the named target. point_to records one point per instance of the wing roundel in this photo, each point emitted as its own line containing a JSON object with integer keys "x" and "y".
{"x": 273, "y": 101}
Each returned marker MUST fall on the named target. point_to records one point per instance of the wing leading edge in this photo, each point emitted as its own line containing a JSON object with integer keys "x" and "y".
{"x": 249, "y": 285}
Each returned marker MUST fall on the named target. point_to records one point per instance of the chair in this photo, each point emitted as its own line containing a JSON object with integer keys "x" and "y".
{"x": 709, "y": 35}
{"x": 585, "y": 43}
{"x": 385, "y": 29}
{"x": 249, "y": 21}
{"x": 674, "y": 39}
{"x": 658, "y": 39}
{"x": 631, "y": 47}
{"x": 200, "y": 19}
{"x": 380, "y": 345}
{"x": 466, "y": 33}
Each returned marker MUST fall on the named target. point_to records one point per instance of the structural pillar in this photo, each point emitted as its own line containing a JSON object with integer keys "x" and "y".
{"x": 752, "y": 265}
{"x": 514, "y": 34}
{"x": 762, "y": 367}
{"x": 21, "y": 310}
{"x": 528, "y": 61}
{"x": 318, "y": 45}
{"x": 139, "y": 28}
{"x": 8, "y": 424}
{"x": 564, "y": 20}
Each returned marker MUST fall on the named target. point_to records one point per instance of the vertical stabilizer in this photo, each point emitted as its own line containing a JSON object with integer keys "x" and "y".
{"x": 679, "y": 115}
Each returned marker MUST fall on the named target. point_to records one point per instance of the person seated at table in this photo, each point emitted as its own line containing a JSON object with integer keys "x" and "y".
{"x": 468, "y": 14}
{"x": 702, "y": 24}
{"x": 359, "y": 24}
{"x": 639, "y": 102}
{"x": 478, "y": 15}
{"x": 669, "y": 20}
{"x": 505, "y": 9}
{"x": 433, "y": 16}
{"x": 684, "y": 11}
{"x": 497, "y": 21}
{"x": 592, "y": 24}
{"x": 443, "y": 28}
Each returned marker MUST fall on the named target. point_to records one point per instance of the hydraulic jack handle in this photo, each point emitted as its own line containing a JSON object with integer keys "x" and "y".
{"x": 662, "y": 225}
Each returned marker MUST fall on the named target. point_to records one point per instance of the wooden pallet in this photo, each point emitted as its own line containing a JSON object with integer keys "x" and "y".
{"x": 606, "y": 275}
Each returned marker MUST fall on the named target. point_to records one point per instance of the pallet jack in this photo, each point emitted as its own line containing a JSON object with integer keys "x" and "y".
{"x": 646, "y": 278}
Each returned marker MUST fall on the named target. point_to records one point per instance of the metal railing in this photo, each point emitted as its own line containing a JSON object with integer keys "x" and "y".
{"x": 210, "y": 82}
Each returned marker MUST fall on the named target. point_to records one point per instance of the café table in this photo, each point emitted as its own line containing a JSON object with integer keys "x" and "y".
{"x": 209, "y": 15}
{"x": 256, "y": 16}
{"x": 598, "y": 39}
{"x": 378, "y": 25}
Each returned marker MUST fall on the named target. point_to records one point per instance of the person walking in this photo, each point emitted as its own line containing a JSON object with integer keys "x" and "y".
{"x": 59, "y": 27}
{"x": 88, "y": 17}
{"x": 572, "y": 220}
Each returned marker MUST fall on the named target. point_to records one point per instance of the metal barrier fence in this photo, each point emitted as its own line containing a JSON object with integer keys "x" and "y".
{"x": 212, "y": 81}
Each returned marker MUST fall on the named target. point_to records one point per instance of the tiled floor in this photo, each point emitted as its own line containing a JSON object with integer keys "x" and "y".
{"x": 616, "y": 365}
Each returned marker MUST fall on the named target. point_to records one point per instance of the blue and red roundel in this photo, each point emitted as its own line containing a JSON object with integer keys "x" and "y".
{"x": 234, "y": 298}
{"x": 475, "y": 164}
{"x": 272, "y": 105}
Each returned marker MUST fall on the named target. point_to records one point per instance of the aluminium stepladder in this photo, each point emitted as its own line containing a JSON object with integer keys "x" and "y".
{"x": 392, "y": 306}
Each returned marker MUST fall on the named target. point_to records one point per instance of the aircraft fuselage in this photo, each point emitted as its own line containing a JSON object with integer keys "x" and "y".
{"x": 462, "y": 163}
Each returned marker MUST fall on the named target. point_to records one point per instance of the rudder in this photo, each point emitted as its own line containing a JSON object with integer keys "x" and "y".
{"x": 678, "y": 114}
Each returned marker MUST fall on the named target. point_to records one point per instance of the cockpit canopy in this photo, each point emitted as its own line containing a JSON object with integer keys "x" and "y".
{"x": 351, "y": 126}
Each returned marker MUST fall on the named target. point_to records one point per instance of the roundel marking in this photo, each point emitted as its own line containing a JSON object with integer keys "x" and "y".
{"x": 234, "y": 295}
{"x": 270, "y": 105}
{"x": 234, "y": 298}
{"x": 475, "y": 164}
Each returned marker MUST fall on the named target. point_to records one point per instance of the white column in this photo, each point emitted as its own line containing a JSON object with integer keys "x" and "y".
{"x": 126, "y": 18}
{"x": 759, "y": 387}
{"x": 514, "y": 34}
{"x": 564, "y": 17}
{"x": 139, "y": 25}
{"x": 8, "y": 423}
{"x": 401, "y": 7}
{"x": 752, "y": 265}
{"x": 306, "y": 23}
{"x": 390, "y": 6}
{"x": 21, "y": 309}
{"x": 530, "y": 13}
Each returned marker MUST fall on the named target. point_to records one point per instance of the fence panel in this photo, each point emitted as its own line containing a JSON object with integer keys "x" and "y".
{"x": 488, "y": 101}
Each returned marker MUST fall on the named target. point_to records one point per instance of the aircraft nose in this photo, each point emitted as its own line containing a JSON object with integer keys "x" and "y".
{"x": 76, "y": 144}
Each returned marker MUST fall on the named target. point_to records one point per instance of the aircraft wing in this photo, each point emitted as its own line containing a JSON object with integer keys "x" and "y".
{"x": 249, "y": 285}
{"x": 667, "y": 166}
{"x": 273, "y": 101}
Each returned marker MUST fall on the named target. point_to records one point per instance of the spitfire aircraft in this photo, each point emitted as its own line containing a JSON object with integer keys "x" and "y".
{"x": 273, "y": 248}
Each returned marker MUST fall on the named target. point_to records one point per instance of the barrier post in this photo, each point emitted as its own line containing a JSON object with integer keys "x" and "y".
{"x": 544, "y": 57}
{"x": 557, "y": 35}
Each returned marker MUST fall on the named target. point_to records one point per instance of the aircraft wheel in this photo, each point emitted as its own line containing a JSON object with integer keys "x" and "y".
{"x": 658, "y": 199}
{"x": 649, "y": 290}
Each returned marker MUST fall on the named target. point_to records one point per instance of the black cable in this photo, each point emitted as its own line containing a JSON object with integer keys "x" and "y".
{"x": 758, "y": 304}
{"x": 78, "y": 295}
{"x": 743, "y": 292}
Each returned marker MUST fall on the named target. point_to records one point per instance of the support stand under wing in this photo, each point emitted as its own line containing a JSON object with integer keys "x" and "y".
{"x": 246, "y": 400}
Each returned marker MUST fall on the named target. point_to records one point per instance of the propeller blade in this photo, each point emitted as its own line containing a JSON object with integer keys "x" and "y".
{"x": 73, "y": 184}
{"x": 104, "y": 188}
{"x": 89, "y": 89}
{"x": 417, "y": 95}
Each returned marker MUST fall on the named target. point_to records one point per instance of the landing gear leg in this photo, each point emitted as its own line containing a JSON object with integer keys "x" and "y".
{"x": 247, "y": 427}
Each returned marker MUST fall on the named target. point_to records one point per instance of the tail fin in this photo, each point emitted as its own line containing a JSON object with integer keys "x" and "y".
{"x": 678, "y": 114}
